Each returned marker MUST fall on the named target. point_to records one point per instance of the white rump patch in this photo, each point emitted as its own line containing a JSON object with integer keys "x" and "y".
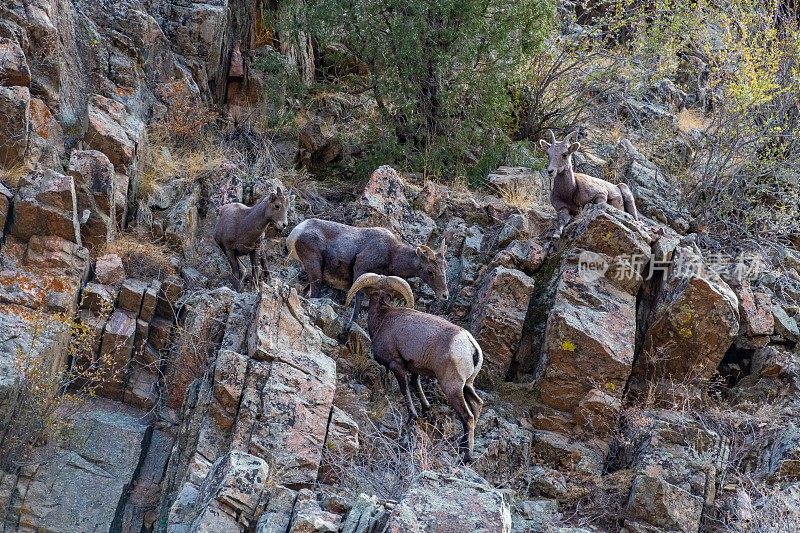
{"x": 292, "y": 238}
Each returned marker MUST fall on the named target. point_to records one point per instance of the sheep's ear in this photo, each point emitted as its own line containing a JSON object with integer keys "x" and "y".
{"x": 273, "y": 197}
{"x": 574, "y": 147}
{"x": 421, "y": 253}
{"x": 280, "y": 192}
{"x": 544, "y": 144}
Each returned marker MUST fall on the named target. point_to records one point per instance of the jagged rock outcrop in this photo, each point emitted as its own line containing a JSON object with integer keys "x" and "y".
{"x": 691, "y": 324}
{"x": 15, "y": 121}
{"x": 498, "y": 313}
{"x": 675, "y": 461}
{"x": 85, "y": 482}
{"x": 578, "y": 341}
{"x": 45, "y": 205}
{"x": 462, "y": 504}
{"x": 268, "y": 394}
{"x": 384, "y": 203}
{"x": 99, "y": 196}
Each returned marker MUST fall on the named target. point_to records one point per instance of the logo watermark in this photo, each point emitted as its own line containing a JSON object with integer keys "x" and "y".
{"x": 593, "y": 266}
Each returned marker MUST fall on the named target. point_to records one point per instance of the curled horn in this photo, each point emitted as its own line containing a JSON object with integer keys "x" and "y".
{"x": 364, "y": 281}
{"x": 570, "y": 136}
{"x": 443, "y": 247}
{"x": 398, "y": 285}
{"x": 552, "y": 136}
{"x": 425, "y": 250}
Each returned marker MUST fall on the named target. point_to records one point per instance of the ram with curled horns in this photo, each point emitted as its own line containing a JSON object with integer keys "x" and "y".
{"x": 411, "y": 344}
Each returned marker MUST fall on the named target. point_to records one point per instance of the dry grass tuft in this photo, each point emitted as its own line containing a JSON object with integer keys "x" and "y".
{"x": 169, "y": 160}
{"x": 10, "y": 176}
{"x": 141, "y": 256}
{"x": 692, "y": 119}
{"x": 522, "y": 194}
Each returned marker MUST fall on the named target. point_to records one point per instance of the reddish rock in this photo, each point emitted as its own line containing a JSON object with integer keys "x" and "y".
{"x": 527, "y": 256}
{"x": 755, "y": 311}
{"x": 13, "y": 66}
{"x": 113, "y": 131}
{"x": 115, "y": 353}
{"x": 435, "y": 500}
{"x": 693, "y": 322}
{"x": 140, "y": 341}
{"x": 45, "y": 204}
{"x": 308, "y": 516}
{"x": 95, "y": 184}
{"x": 109, "y": 270}
{"x": 150, "y": 301}
{"x": 498, "y": 313}
{"x": 286, "y": 411}
{"x": 15, "y": 117}
{"x": 589, "y": 341}
{"x": 131, "y": 294}
{"x": 170, "y": 291}
{"x": 384, "y": 203}
{"x": 52, "y": 253}
{"x": 141, "y": 389}
{"x": 97, "y": 298}
{"x": 159, "y": 333}
{"x": 597, "y": 413}
{"x": 432, "y": 199}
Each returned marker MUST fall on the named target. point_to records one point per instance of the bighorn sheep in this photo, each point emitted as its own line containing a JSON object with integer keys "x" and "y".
{"x": 337, "y": 254}
{"x": 409, "y": 342}
{"x": 239, "y": 229}
{"x": 572, "y": 191}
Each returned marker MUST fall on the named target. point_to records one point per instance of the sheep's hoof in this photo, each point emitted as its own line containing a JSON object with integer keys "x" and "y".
{"x": 468, "y": 458}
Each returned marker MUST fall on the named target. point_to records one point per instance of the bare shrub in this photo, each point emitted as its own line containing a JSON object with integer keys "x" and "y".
{"x": 556, "y": 91}
{"x": 197, "y": 339}
{"x": 522, "y": 194}
{"x": 597, "y": 500}
{"x": 392, "y": 455}
{"x": 36, "y": 409}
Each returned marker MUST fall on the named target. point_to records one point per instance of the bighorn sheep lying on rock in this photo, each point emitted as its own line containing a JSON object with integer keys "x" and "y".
{"x": 572, "y": 191}
{"x": 409, "y": 342}
{"x": 239, "y": 229}
{"x": 337, "y": 254}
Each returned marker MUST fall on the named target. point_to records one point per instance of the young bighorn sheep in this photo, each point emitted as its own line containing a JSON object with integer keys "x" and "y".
{"x": 337, "y": 254}
{"x": 410, "y": 343}
{"x": 572, "y": 191}
{"x": 239, "y": 229}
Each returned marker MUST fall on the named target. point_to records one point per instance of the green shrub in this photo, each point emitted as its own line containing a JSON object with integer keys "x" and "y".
{"x": 440, "y": 73}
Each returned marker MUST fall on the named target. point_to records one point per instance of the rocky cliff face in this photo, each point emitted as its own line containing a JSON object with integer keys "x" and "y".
{"x": 631, "y": 382}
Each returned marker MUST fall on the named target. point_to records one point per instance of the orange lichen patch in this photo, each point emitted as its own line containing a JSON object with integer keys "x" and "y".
{"x": 20, "y": 311}
{"x": 59, "y": 284}
{"x": 41, "y": 118}
{"x": 21, "y": 288}
{"x": 31, "y": 291}
{"x": 124, "y": 91}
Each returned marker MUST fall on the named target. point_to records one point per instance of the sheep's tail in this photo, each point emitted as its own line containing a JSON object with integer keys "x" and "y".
{"x": 477, "y": 355}
{"x": 627, "y": 200}
{"x": 292, "y": 239}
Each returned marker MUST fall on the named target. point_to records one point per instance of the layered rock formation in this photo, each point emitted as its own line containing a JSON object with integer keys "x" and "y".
{"x": 616, "y": 357}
